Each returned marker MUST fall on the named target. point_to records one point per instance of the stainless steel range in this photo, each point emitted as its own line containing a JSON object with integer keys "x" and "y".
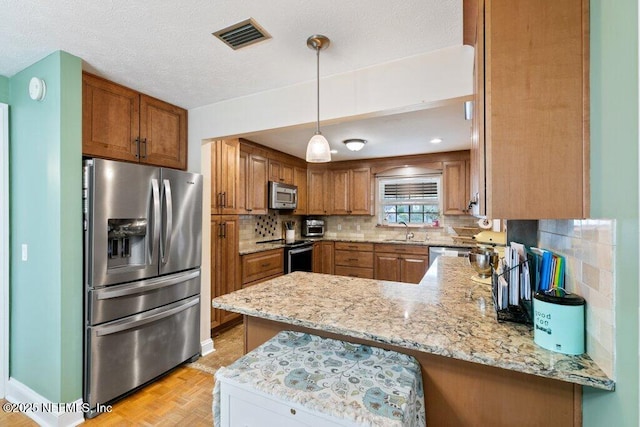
{"x": 142, "y": 251}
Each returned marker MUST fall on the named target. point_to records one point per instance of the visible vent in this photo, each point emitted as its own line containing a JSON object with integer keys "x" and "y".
{"x": 242, "y": 34}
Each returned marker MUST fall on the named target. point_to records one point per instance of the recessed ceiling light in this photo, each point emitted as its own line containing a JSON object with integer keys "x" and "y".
{"x": 333, "y": 151}
{"x": 436, "y": 140}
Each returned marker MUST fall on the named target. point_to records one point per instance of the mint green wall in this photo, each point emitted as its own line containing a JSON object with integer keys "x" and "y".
{"x": 614, "y": 192}
{"x": 4, "y": 89}
{"x": 46, "y": 214}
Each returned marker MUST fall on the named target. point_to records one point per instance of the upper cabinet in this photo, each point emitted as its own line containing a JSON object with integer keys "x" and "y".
{"x": 280, "y": 171}
{"x": 225, "y": 166}
{"x": 257, "y": 166}
{"x": 530, "y": 142}
{"x": 300, "y": 180}
{"x": 351, "y": 190}
{"x": 455, "y": 187}
{"x": 122, "y": 124}
{"x": 318, "y": 194}
{"x": 252, "y": 184}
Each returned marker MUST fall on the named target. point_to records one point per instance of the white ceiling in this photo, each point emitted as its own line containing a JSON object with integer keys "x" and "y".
{"x": 166, "y": 49}
{"x": 387, "y": 136}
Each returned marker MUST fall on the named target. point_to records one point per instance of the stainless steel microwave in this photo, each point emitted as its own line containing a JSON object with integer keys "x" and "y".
{"x": 282, "y": 196}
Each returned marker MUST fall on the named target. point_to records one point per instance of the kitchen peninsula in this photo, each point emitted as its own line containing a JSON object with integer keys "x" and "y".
{"x": 476, "y": 371}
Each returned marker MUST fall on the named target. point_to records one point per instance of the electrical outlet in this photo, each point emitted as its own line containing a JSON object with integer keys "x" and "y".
{"x": 339, "y": 227}
{"x": 357, "y": 227}
{"x": 25, "y": 252}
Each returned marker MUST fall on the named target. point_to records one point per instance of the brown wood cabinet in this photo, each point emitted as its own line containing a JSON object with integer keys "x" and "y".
{"x": 300, "y": 180}
{"x": 225, "y": 166}
{"x": 318, "y": 194}
{"x": 120, "y": 123}
{"x": 400, "y": 263}
{"x": 323, "y": 259}
{"x": 354, "y": 259}
{"x": 260, "y": 266}
{"x": 351, "y": 190}
{"x": 252, "y": 182}
{"x": 225, "y": 264}
{"x": 530, "y": 138}
{"x": 280, "y": 171}
{"x": 455, "y": 186}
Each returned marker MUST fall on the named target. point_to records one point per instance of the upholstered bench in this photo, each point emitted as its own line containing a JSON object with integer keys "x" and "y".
{"x": 301, "y": 379}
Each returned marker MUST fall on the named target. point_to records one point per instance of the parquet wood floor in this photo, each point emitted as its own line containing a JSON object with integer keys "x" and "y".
{"x": 183, "y": 397}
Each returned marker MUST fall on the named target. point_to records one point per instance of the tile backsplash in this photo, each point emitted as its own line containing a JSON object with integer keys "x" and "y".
{"x": 366, "y": 227}
{"x": 589, "y": 248}
{"x": 266, "y": 227}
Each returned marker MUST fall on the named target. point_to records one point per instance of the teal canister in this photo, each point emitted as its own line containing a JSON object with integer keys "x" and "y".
{"x": 558, "y": 318}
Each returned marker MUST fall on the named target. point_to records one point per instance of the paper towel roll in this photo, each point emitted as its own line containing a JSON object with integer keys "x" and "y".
{"x": 485, "y": 223}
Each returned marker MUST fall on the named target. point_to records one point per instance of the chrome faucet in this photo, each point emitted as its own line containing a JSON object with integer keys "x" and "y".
{"x": 408, "y": 235}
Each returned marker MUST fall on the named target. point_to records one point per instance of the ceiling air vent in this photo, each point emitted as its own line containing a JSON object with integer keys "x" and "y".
{"x": 242, "y": 34}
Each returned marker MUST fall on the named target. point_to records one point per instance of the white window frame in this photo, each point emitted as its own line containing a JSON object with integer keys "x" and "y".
{"x": 380, "y": 202}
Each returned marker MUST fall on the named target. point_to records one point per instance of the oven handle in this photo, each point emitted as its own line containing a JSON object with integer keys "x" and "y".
{"x": 145, "y": 319}
{"x": 145, "y": 286}
{"x": 300, "y": 250}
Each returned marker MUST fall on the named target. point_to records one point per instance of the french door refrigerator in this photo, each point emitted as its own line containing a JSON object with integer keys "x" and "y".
{"x": 142, "y": 252}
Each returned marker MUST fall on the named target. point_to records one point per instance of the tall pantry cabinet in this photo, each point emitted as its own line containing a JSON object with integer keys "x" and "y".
{"x": 530, "y": 144}
{"x": 225, "y": 226}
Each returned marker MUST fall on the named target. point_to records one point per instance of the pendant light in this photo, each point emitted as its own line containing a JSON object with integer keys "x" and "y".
{"x": 318, "y": 150}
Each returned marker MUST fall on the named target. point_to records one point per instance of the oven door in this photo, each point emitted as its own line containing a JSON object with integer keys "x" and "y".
{"x": 299, "y": 259}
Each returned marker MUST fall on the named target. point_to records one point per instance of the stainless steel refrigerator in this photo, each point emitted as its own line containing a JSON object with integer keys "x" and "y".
{"x": 142, "y": 253}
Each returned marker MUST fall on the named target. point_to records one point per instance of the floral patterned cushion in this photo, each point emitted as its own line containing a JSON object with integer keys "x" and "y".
{"x": 364, "y": 384}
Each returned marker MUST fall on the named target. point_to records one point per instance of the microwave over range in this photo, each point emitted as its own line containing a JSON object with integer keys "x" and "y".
{"x": 282, "y": 196}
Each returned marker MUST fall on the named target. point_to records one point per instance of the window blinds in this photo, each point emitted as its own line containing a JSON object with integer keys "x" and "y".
{"x": 411, "y": 190}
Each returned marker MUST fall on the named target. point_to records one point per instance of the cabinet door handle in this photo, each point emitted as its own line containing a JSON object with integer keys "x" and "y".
{"x": 352, "y": 259}
{"x": 144, "y": 141}
{"x": 265, "y": 265}
{"x": 224, "y": 199}
{"x": 137, "y": 142}
{"x": 224, "y": 230}
{"x": 219, "y": 197}
{"x": 220, "y": 230}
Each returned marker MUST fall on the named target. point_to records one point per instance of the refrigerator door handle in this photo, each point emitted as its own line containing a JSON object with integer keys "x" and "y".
{"x": 166, "y": 245}
{"x": 143, "y": 319}
{"x": 155, "y": 191}
{"x": 145, "y": 286}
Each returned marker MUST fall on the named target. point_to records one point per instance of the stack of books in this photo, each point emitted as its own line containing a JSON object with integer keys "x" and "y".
{"x": 550, "y": 269}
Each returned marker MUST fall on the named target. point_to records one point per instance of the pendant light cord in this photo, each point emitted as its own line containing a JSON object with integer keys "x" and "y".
{"x": 318, "y": 89}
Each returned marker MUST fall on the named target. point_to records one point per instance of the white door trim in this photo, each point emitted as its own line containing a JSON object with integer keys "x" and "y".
{"x": 4, "y": 248}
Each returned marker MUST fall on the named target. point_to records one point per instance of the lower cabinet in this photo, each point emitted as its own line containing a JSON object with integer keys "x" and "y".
{"x": 261, "y": 266}
{"x": 401, "y": 263}
{"x": 354, "y": 259}
{"x": 323, "y": 259}
{"x": 225, "y": 264}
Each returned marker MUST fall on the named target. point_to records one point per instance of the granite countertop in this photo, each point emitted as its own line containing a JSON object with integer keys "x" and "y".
{"x": 253, "y": 247}
{"x": 446, "y": 314}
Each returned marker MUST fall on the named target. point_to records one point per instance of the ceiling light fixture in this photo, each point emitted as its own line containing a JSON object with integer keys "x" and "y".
{"x": 436, "y": 140}
{"x": 354, "y": 144}
{"x": 318, "y": 150}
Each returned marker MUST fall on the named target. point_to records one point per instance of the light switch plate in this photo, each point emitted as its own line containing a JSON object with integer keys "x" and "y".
{"x": 25, "y": 252}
